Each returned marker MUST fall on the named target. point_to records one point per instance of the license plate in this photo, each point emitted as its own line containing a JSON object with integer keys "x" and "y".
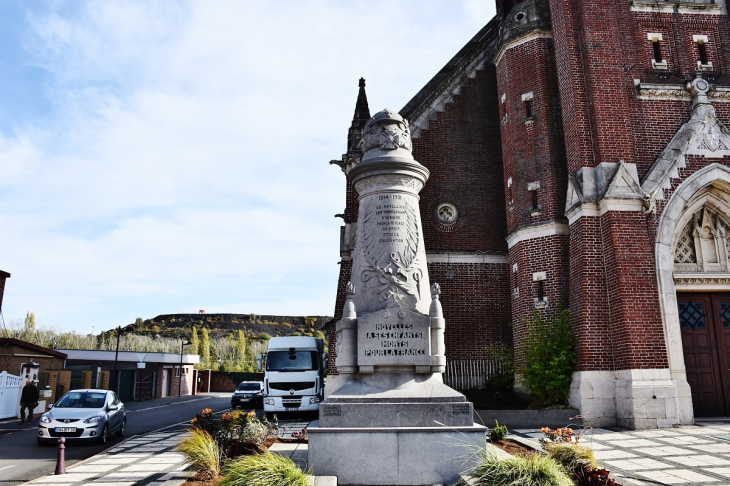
{"x": 291, "y": 408}
{"x": 65, "y": 429}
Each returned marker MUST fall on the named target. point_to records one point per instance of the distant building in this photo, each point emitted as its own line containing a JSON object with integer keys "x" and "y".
{"x": 579, "y": 156}
{"x": 139, "y": 376}
{"x": 42, "y": 365}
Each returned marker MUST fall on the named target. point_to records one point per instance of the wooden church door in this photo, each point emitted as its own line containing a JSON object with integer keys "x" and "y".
{"x": 705, "y": 323}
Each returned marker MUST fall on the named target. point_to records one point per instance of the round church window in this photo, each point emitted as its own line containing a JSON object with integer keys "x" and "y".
{"x": 446, "y": 213}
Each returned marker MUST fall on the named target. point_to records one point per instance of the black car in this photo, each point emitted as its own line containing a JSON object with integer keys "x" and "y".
{"x": 248, "y": 394}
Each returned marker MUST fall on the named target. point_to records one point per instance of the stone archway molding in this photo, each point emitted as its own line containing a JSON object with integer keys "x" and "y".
{"x": 683, "y": 201}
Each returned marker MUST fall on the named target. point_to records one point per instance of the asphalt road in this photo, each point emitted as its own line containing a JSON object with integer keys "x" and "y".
{"x": 21, "y": 459}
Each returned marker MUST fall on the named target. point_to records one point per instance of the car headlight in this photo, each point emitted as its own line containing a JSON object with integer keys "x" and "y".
{"x": 94, "y": 420}
{"x": 45, "y": 419}
{"x": 269, "y": 401}
{"x": 314, "y": 400}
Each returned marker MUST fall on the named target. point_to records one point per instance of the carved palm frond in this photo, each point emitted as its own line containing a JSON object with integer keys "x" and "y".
{"x": 412, "y": 235}
{"x": 369, "y": 236}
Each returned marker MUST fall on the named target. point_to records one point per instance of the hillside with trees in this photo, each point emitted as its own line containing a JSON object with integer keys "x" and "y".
{"x": 225, "y": 342}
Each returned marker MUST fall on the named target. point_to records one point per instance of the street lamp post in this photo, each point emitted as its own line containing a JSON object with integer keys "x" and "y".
{"x": 180, "y": 378}
{"x": 120, "y": 331}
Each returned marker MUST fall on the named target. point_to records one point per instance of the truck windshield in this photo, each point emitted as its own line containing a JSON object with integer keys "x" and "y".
{"x": 286, "y": 361}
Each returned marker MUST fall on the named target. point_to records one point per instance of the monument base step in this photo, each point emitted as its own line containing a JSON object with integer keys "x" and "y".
{"x": 408, "y": 456}
{"x": 385, "y": 414}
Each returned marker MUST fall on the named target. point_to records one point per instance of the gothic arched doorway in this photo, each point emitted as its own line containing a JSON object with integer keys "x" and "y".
{"x": 701, "y": 277}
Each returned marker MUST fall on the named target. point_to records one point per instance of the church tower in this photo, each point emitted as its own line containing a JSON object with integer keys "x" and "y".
{"x": 533, "y": 156}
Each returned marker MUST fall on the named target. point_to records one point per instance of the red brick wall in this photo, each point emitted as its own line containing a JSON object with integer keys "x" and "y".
{"x": 633, "y": 296}
{"x": 548, "y": 254}
{"x": 461, "y": 148}
{"x": 476, "y": 307}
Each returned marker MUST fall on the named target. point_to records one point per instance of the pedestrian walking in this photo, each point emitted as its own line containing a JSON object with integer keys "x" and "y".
{"x": 29, "y": 400}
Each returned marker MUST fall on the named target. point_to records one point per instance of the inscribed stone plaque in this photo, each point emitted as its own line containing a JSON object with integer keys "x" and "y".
{"x": 460, "y": 408}
{"x": 332, "y": 410}
{"x": 386, "y": 339}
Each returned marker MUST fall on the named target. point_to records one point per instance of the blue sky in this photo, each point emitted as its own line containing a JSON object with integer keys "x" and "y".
{"x": 160, "y": 156}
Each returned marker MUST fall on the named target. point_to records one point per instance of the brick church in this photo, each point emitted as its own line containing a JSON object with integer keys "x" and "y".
{"x": 579, "y": 157}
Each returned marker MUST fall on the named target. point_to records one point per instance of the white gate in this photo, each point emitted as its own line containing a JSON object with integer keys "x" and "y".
{"x": 464, "y": 375}
{"x": 10, "y": 388}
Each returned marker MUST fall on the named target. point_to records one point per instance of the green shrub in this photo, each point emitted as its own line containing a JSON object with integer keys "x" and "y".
{"x": 533, "y": 470}
{"x": 263, "y": 470}
{"x": 499, "y": 432}
{"x": 549, "y": 356}
{"x": 572, "y": 457}
{"x": 202, "y": 453}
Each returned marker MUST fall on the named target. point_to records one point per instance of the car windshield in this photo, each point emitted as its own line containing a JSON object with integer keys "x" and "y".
{"x": 82, "y": 400}
{"x": 287, "y": 361}
{"x": 249, "y": 387}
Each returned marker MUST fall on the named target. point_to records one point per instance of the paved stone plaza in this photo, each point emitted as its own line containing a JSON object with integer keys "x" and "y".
{"x": 688, "y": 455}
{"x": 149, "y": 459}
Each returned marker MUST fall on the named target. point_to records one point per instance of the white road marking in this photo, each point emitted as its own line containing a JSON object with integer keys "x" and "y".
{"x": 7, "y": 467}
{"x": 169, "y": 404}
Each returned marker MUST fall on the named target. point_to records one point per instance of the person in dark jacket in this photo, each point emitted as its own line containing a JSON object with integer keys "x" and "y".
{"x": 29, "y": 400}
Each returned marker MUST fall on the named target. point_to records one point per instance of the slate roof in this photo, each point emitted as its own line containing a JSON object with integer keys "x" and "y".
{"x": 483, "y": 44}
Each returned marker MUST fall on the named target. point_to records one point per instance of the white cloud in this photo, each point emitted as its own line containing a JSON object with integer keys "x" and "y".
{"x": 184, "y": 163}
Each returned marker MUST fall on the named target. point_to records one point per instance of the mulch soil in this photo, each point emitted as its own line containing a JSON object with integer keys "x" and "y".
{"x": 512, "y": 447}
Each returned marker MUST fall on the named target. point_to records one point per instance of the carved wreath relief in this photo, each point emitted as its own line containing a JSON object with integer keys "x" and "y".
{"x": 389, "y": 238}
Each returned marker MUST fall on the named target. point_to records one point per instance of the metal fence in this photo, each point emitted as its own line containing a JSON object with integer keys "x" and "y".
{"x": 470, "y": 374}
{"x": 11, "y": 387}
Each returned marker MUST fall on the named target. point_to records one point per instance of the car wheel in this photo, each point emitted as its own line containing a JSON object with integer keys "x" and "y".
{"x": 122, "y": 429}
{"x": 104, "y": 434}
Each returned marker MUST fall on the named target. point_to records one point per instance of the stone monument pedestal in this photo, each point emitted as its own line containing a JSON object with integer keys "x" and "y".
{"x": 392, "y": 420}
{"x": 395, "y": 429}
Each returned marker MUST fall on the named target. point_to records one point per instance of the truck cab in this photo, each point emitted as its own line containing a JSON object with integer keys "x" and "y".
{"x": 294, "y": 375}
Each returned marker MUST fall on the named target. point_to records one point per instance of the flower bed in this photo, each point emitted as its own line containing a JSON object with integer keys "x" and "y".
{"x": 233, "y": 450}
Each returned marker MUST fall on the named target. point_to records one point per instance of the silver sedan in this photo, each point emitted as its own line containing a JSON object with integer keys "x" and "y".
{"x": 85, "y": 415}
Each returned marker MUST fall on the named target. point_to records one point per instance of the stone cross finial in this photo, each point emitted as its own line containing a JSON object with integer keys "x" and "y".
{"x": 699, "y": 88}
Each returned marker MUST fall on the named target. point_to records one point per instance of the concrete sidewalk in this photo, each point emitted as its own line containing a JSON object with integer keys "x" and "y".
{"x": 148, "y": 460}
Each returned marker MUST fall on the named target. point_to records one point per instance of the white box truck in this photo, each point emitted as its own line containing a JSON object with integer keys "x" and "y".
{"x": 294, "y": 377}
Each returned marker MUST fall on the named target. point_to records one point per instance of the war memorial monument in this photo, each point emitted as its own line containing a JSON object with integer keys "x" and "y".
{"x": 391, "y": 420}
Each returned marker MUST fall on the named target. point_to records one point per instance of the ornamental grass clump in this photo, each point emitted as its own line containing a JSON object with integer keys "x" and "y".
{"x": 202, "y": 453}
{"x": 533, "y": 469}
{"x": 265, "y": 469}
{"x": 572, "y": 457}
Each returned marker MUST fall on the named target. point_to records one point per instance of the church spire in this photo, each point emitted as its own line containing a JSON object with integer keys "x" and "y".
{"x": 361, "y": 116}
